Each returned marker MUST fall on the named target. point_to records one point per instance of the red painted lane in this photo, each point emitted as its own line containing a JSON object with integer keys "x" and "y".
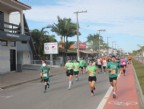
{"x": 127, "y": 97}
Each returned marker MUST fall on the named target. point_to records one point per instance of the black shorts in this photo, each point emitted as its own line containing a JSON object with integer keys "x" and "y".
{"x": 84, "y": 66}
{"x": 92, "y": 78}
{"x": 111, "y": 79}
{"x": 122, "y": 66}
{"x": 81, "y": 67}
{"x": 104, "y": 67}
{"x": 46, "y": 79}
{"x": 69, "y": 72}
{"x": 76, "y": 72}
{"x": 99, "y": 66}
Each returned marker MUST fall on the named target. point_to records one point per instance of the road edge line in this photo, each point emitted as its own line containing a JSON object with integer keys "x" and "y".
{"x": 105, "y": 98}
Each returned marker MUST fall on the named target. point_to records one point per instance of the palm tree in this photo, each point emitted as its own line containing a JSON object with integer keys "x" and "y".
{"x": 93, "y": 42}
{"x": 39, "y": 38}
{"x": 64, "y": 28}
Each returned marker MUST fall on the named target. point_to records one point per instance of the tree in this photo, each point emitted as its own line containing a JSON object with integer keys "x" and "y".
{"x": 64, "y": 28}
{"x": 93, "y": 42}
{"x": 39, "y": 38}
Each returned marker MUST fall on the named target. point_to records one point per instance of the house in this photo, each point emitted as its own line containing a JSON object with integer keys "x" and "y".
{"x": 16, "y": 47}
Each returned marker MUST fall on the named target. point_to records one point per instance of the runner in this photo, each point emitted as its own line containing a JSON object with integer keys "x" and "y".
{"x": 99, "y": 64}
{"x": 113, "y": 74}
{"x": 45, "y": 70}
{"x": 69, "y": 72}
{"x": 123, "y": 63}
{"x": 82, "y": 65}
{"x": 76, "y": 69}
{"x": 104, "y": 64}
{"x": 92, "y": 70}
{"x": 43, "y": 63}
{"x": 129, "y": 59}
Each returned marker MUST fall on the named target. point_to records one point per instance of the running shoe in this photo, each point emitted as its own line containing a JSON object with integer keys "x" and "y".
{"x": 114, "y": 95}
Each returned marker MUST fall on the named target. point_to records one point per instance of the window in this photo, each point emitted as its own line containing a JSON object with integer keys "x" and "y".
{"x": 3, "y": 43}
{"x": 12, "y": 43}
{"x": 24, "y": 42}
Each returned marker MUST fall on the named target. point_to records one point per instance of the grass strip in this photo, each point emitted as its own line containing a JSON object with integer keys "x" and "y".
{"x": 139, "y": 68}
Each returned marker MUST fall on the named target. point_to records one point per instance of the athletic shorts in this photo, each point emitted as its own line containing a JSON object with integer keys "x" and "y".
{"x": 122, "y": 66}
{"x": 104, "y": 67}
{"x": 76, "y": 72}
{"x": 46, "y": 79}
{"x": 111, "y": 79}
{"x": 69, "y": 72}
{"x": 81, "y": 67}
{"x": 99, "y": 66}
{"x": 85, "y": 66}
{"x": 92, "y": 78}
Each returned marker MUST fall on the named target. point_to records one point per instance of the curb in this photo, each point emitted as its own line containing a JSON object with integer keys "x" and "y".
{"x": 139, "y": 90}
{"x": 16, "y": 84}
{"x": 24, "y": 82}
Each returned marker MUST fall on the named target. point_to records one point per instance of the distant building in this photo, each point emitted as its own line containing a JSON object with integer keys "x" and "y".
{"x": 16, "y": 47}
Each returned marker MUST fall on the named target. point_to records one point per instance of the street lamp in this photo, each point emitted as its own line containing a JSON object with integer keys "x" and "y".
{"x": 77, "y": 12}
{"x": 100, "y": 30}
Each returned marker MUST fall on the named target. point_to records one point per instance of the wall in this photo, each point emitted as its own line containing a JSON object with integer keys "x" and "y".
{"x": 4, "y": 59}
{"x": 26, "y": 58}
{"x": 24, "y": 48}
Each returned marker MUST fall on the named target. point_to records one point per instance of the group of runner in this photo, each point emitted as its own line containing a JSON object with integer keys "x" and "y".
{"x": 113, "y": 65}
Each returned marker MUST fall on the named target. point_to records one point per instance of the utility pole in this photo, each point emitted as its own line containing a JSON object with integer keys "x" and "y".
{"x": 113, "y": 47}
{"x": 77, "y": 12}
{"x": 100, "y": 30}
{"x": 108, "y": 45}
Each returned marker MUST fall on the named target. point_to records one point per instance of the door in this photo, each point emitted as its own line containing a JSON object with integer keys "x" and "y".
{"x": 1, "y": 21}
{"x": 12, "y": 60}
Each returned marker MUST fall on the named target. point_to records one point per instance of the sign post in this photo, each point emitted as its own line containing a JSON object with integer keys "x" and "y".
{"x": 51, "y": 48}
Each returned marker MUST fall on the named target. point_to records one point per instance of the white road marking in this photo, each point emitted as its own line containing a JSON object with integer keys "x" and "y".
{"x": 105, "y": 98}
{"x": 6, "y": 96}
{"x": 123, "y": 103}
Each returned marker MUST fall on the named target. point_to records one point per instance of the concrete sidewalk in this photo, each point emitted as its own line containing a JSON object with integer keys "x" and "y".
{"x": 17, "y": 78}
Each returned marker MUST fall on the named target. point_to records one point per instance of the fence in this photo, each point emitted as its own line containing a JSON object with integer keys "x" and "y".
{"x": 55, "y": 62}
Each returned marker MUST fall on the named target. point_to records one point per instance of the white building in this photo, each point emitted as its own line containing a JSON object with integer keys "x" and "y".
{"x": 16, "y": 46}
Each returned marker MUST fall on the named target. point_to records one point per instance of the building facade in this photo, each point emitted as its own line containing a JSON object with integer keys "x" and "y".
{"x": 15, "y": 41}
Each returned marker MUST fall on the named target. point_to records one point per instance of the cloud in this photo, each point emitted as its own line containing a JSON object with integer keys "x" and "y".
{"x": 116, "y": 16}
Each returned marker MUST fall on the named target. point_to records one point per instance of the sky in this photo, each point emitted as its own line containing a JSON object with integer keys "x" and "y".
{"x": 123, "y": 20}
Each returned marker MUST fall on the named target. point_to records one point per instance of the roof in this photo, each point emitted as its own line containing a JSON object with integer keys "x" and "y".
{"x": 22, "y": 4}
{"x": 12, "y": 6}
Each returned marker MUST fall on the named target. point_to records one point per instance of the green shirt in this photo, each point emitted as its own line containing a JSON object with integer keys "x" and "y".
{"x": 69, "y": 65}
{"x": 76, "y": 66}
{"x": 114, "y": 67}
{"x": 45, "y": 71}
{"x": 91, "y": 70}
{"x": 82, "y": 63}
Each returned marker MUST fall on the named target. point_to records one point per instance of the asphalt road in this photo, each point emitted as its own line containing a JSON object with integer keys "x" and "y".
{"x": 31, "y": 96}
